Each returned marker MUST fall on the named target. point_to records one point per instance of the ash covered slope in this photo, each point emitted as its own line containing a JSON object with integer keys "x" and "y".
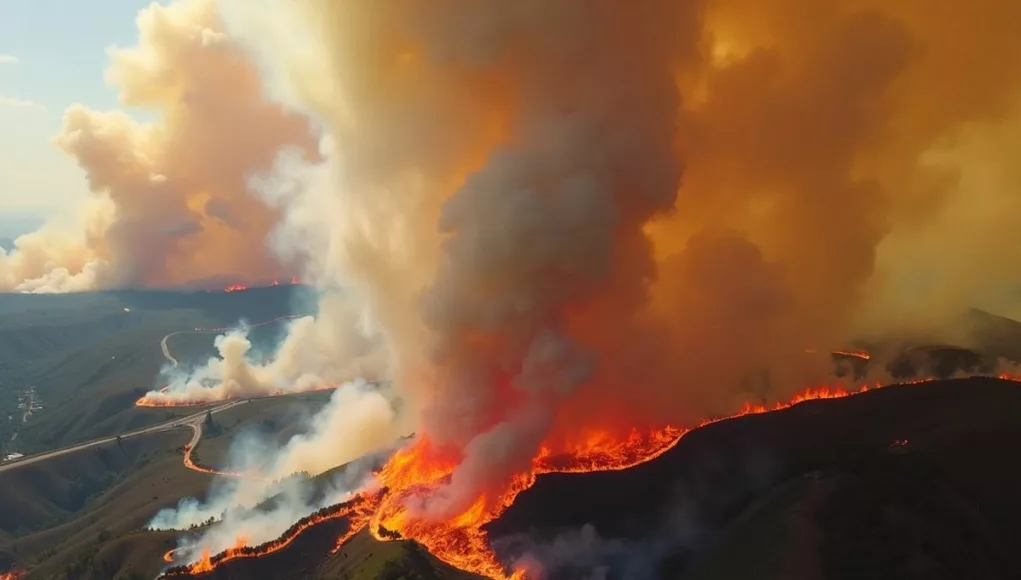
{"x": 905, "y": 482}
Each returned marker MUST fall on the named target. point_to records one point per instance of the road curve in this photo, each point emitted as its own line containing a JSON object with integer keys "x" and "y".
{"x": 194, "y": 422}
{"x": 166, "y": 349}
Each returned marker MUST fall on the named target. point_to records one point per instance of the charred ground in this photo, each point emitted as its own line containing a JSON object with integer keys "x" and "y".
{"x": 910, "y": 481}
{"x": 904, "y": 482}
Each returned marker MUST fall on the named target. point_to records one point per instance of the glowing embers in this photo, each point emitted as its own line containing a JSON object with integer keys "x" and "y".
{"x": 355, "y": 509}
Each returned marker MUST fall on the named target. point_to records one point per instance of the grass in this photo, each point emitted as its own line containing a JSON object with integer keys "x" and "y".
{"x": 89, "y": 359}
{"x": 90, "y": 356}
{"x": 276, "y": 419}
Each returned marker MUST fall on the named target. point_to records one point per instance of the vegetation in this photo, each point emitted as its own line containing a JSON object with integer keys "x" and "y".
{"x": 91, "y": 356}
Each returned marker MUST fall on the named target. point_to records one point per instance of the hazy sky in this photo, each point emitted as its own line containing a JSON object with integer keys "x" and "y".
{"x": 52, "y": 54}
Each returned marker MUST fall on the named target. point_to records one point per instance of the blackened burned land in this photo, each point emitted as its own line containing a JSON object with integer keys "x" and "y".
{"x": 917, "y": 481}
{"x": 906, "y": 482}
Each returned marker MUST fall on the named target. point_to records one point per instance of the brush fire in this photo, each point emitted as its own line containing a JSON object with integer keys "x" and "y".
{"x": 544, "y": 236}
{"x": 567, "y": 234}
{"x": 391, "y": 509}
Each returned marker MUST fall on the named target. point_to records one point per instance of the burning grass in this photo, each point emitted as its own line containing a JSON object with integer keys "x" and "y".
{"x": 415, "y": 472}
{"x": 357, "y": 509}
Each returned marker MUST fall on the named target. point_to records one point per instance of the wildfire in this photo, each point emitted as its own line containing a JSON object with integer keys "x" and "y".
{"x": 192, "y": 465}
{"x": 12, "y": 575}
{"x": 169, "y": 556}
{"x": 357, "y": 510}
{"x": 146, "y": 401}
{"x": 863, "y": 355}
{"x": 156, "y": 403}
{"x": 397, "y": 510}
{"x": 242, "y": 287}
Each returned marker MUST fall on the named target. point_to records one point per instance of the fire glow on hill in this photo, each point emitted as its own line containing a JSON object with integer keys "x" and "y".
{"x": 393, "y": 510}
{"x": 572, "y": 228}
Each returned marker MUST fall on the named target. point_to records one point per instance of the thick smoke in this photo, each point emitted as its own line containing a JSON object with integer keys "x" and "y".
{"x": 570, "y": 216}
{"x": 317, "y": 353}
{"x": 170, "y": 203}
{"x": 357, "y": 425}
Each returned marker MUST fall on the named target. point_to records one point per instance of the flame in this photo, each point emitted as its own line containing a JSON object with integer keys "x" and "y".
{"x": 192, "y": 465}
{"x": 169, "y": 556}
{"x": 357, "y": 510}
{"x": 151, "y": 403}
{"x": 854, "y": 353}
{"x": 12, "y": 575}
{"x": 398, "y": 509}
{"x": 294, "y": 281}
{"x": 156, "y": 403}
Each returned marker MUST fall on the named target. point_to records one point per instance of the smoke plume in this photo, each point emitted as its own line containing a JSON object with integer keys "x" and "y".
{"x": 541, "y": 220}
{"x": 352, "y": 430}
{"x": 576, "y": 216}
{"x": 169, "y": 200}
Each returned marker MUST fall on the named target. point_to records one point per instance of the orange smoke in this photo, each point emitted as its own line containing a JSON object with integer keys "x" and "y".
{"x": 170, "y": 200}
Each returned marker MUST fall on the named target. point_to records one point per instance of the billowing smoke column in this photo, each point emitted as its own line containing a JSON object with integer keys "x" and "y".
{"x": 582, "y": 215}
{"x": 553, "y": 219}
{"x": 170, "y": 203}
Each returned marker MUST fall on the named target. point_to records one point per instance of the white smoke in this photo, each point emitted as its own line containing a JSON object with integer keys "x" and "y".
{"x": 352, "y": 430}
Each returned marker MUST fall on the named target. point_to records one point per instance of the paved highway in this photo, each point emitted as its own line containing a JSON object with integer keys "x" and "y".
{"x": 193, "y": 422}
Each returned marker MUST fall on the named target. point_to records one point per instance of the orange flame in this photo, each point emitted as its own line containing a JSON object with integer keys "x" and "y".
{"x": 412, "y": 473}
{"x": 156, "y": 403}
{"x": 854, "y": 353}
{"x": 192, "y": 465}
{"x": 12, "y": 575}
{"x": 357, "y": 510}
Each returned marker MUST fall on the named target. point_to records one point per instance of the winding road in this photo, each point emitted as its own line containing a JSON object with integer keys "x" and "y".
{"x": 193, "y": 422}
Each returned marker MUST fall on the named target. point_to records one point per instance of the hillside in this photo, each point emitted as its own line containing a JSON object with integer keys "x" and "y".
{"x": 904, "y": 482}
{"x": 90, "y": 356}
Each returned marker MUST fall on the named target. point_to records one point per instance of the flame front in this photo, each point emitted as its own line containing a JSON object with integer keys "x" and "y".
{"x": 356, "y": 510}
{"x": 412, "y": 475}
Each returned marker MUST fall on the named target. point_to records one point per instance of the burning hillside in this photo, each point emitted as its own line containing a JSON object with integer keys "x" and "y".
{"x": 497, "y": 222}
{"x": 808, "y": 438}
